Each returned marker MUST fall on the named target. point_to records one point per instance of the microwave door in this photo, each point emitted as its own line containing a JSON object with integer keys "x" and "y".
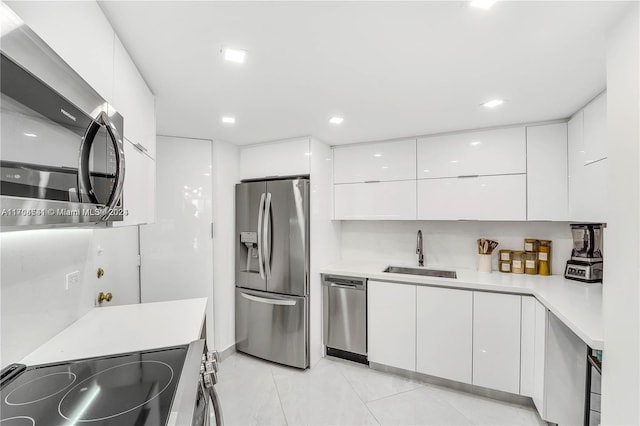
{"x": 101, "y": 165}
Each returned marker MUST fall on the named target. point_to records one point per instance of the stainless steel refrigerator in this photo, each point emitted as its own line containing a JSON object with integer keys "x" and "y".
{"x": 272, "y": 270}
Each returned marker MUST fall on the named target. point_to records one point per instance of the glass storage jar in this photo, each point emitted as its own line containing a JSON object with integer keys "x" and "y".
{"x": 544, "y": 257}
{"x": 531, "y": 263}
{"x": 517, "y": 262}
{"x": 530, "y": 244}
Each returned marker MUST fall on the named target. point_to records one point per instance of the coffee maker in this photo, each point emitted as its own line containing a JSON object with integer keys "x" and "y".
{"x": 586, "y": 257}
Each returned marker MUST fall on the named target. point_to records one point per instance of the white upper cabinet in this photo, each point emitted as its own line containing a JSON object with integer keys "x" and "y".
{"x": 595, "y": 129}
{"x": 444, "y": 351}
{"x": 547, "y": 186}
{"x": 473, "y": 198}
{"x": 139, "y": 191}
{"x": 375, "y": 201}
{"x": 488, "y": 152}
{"x": 134, "y": 101}
{"x": 586, "y": 177}
{"x": 391, "y": 323}
{"x": 80, "y": 34}
{"x": 285, "y": 158}
{"x": 385, "y": 161}
{"x": 496, "y": 341}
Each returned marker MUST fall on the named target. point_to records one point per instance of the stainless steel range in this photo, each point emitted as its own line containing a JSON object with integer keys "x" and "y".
{"x": 168, "y": 386}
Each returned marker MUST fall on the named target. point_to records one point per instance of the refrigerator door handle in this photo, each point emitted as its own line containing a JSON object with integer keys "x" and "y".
{"x": 268, "y": 301}
{"x": 267, "y": 236}
{"x": 260, "y": 219}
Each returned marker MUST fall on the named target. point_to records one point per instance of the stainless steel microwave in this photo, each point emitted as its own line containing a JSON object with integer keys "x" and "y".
{"x": 61, "y": 147}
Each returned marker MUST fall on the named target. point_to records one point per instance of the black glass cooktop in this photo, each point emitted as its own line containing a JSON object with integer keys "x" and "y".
{"x": 129, "y": 389}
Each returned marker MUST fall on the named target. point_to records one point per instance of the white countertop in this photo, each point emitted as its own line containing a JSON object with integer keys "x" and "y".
{"x": 125, "y": 328}
{"x": 578, "y": 305}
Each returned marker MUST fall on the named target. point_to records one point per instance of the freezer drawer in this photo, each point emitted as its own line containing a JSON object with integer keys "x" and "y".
{"x": 345, "y": 314}
{"x": 273, "y": 327}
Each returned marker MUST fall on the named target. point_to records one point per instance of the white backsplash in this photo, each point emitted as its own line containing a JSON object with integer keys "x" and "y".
{"x": 34, "y": 303}
{"x": 448, "y": 244}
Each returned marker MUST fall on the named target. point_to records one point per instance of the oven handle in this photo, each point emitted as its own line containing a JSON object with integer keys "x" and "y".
{"x": 217, "y": 410}
{"x": 84, "y": 181}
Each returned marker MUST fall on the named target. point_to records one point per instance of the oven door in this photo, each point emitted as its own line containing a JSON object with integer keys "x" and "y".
{"x": 62, "y": 162}
{"x": 193, "y": 403}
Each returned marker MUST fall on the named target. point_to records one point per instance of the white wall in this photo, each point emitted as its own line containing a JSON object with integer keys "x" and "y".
{"x": 325, "y": 237}
{"x": 34, "y": 303}
{"x": 448, "y": 244}
{"x": 621, "y": 287}
{"x": 225, "y": 176}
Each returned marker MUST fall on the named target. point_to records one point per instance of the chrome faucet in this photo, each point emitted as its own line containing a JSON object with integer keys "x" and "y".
{"x": 419, "y": 250}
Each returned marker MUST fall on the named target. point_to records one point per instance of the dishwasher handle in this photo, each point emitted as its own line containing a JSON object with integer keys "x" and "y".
{"x": 345, "y": 282}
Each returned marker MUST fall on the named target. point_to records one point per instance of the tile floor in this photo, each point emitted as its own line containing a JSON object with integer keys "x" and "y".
{"x": 336, "y": 392}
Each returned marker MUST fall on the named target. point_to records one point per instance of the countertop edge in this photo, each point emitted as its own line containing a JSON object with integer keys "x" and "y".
{"x": 467, "y": 284}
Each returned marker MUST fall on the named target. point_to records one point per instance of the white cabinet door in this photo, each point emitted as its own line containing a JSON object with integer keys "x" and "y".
{"x": 539, "y": 356}
{"x": 587, "y": 180}
{"x": 595, "y": 129}
{"x": 375, "y": 201}
{"x": 79, "y": 32}
{"x": 547, "y": 197}
{"x": 489, "y": 152}
{"x": 475, "y": 198}
{"x": 383, "y": 161}
{"x": 444, "y": 351}
{"x": 527, "y": 346}
{"x": 134, "y": 101}
{"x": 285, "y": 158}
{"x": 565, "y": 375}
{"x": 496, "y": 341}
{"x": 139, "y": 191}
{"x": 391, "y": 322}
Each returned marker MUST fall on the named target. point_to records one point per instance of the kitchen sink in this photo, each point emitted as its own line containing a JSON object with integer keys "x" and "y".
{"x": 421, "y": 271}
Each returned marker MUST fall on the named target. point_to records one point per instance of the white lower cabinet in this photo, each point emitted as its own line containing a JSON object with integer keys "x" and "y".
{"x": 502, "y": 197}
{"x": 564, "y": 375}
{"x": 527, "y": 346}
{"x": 444, "y": 333}
{"x": 375, "y": 200}
{"x": 496, "y": 341}
{"x": 139, "y": 193}
{"x": 391, "y": 316}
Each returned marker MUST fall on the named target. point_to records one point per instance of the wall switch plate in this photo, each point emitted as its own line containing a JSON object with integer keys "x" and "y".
{"x": 72, "y": 279}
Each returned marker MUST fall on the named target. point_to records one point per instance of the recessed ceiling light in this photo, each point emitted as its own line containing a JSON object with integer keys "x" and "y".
{"x": 377, "y": 155}
{"x": 234, "y": 55}
{"x": 229, "y": 120}
{"x": 482, "y": 4}
{"x": 31, "y": 135}
{"x": 493, "y": 103}
{"x": 336, "y": 120}
{"x": 475, "y": 143}
{"x": 385, "y": 167}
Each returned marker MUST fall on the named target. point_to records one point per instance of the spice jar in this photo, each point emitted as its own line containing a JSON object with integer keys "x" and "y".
{"x": 505, "y": 261}
{"x": 531, "y": 263}
{"x": 530, "y": 244}
{"x": 517, "y": 262}
{"x": 544, "y": 257}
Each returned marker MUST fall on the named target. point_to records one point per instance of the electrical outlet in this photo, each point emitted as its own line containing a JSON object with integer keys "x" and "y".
{"x": 72, "y": 279}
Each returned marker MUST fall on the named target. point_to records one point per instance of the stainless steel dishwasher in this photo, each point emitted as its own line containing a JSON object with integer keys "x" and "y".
{"x": 344, "y": 304}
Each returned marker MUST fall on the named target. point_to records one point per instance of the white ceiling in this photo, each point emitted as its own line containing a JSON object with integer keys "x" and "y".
{"x": 391, "y": 69}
